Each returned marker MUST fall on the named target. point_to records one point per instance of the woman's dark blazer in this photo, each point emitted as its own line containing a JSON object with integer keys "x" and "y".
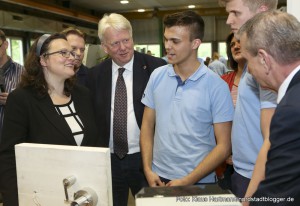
{"x": 33, "y": 119}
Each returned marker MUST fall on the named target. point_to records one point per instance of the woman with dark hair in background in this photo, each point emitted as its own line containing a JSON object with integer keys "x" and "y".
{"x": 46, "y": 108}
{"x": 237, "y": 64}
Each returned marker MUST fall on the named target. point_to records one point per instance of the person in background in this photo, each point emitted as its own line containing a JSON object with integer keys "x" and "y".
{"x": 10, "y": 75}
{"x": 188, "y": 111}
{"x": 117, "y": 85}
{"x": 207, "y": 61}
{"x": 224, "y": 61}
{"x": 237, "y": 64}
{"x": 274, "y": 60}
{"x": 216, "y": 65}
{"x": 149, "y": 53}
{"x": 76, "y": 39}
{"x": 255, "y": 106}
{"x": 46, "y": 108}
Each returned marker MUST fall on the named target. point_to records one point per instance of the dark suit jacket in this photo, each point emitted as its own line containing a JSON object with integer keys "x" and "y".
{"x": 283, "y": 164}
{"x": 82, "y": 75}
{"x": 100, "y": 83}
{"x": 33, "y": 119}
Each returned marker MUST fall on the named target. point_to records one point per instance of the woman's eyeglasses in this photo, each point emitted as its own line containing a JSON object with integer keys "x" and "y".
{"x": 64, "y": 53}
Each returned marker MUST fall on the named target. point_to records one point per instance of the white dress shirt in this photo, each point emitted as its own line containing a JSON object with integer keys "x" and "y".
{"x": 285, "y": 84}
{"x": 133, "y": 131}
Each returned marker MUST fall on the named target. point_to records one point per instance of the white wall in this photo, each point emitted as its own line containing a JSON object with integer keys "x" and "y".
{"x": 293, "y": 8}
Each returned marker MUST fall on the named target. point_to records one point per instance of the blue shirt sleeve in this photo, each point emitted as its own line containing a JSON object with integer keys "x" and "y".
{"x": 267, "y": 98}
{"x": 147, "y": 98}
{"x": 222, "y": 105}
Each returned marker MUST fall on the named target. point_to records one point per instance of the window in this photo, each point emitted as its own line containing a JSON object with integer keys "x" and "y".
{"x": 204, "y": 50}
{"x": 143, "y": 48}
{"x": 222, "y": 49}
{"x": 31, "y": 41}
{"x": 15, "y": 49}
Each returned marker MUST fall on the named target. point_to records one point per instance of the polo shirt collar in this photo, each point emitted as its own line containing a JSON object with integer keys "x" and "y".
{"x": 202, "y": 70}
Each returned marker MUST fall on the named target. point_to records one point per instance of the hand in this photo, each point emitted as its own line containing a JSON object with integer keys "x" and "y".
{"x": 246, "y": 203}
{"x": 153, "y": 179}
{"x": 229, "y": 160}
{"x": 3, "y": 98}
{"x": 176, "y": 182}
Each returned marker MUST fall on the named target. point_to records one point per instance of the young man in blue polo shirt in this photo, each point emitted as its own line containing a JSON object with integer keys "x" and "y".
{"x": 186, "y": 126}
{"x": 254, "y": 109}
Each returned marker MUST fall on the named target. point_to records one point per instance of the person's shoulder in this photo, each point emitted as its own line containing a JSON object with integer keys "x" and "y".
{"x": 80, "y": 93}
{"x": 149, "y": 59}
{"x": 214, "y": 62}
{"x": 292, "y": 96}
{"x": 160, "y": 73}
{"x": 228, "y": 75}
{"x": 80, "y": 89}
{"x": 83, "y": 67}
{"x": 162, "y": 69}
{"x": 213, "y": 78}
{"x": 104, "y": 65}
{"x": 22, "y": 93}
{"x": 17, "y": 65}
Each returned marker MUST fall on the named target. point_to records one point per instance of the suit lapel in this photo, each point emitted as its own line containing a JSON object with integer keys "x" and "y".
{"x": 47, "y": 108}
{"x": 106, "y": 84}
{"x": 140, "y": 76}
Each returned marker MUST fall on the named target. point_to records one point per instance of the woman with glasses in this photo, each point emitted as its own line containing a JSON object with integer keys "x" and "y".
{"x": 46, "y": 108}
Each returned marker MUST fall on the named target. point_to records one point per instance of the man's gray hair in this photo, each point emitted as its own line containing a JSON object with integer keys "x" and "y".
{"x": 278, "y": 33}
{"x": 115, "y": 21}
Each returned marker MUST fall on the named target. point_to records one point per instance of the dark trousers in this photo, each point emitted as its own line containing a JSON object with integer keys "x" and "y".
{"x": 126, "y": 173}
{"x": 239, "y": 184}
{"x": 225, "y": 182}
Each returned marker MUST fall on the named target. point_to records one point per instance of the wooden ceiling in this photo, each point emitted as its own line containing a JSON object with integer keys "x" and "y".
{"x": 90, "y": 11}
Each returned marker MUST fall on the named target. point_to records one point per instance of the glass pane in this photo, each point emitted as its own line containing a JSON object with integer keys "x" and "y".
{"x": 8, "y": 49}
{"x": 17, "y": 50}
{"x": 222, "y": 50}
{"x": 155, "y": 49}
{"x": 143, "y": 48}
{"x": 204, "y": 50}
{"x": 31, "y": 42}
{"x": 140, "y": 48}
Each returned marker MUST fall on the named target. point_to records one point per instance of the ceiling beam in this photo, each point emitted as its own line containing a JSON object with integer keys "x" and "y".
{"x": 80, "y": 16}
{"x": 220, "y": 11}
{"x": 56, "y": 10}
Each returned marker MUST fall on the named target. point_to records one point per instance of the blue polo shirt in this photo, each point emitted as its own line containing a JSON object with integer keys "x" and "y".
{"x": 185, "y": 114}
{"x": 246, "y": 137}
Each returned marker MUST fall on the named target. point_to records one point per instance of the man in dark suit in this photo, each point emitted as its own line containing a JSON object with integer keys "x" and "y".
{"x": 115, "y": 33}
{"x": 274, "y": 60}
{"x": 76, "y": 39}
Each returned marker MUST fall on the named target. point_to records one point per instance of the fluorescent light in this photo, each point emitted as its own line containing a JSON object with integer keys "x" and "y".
{"x": 124, "y": 2}
{"x": 141, "y": 10}
{"x": 191, "y": 6}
